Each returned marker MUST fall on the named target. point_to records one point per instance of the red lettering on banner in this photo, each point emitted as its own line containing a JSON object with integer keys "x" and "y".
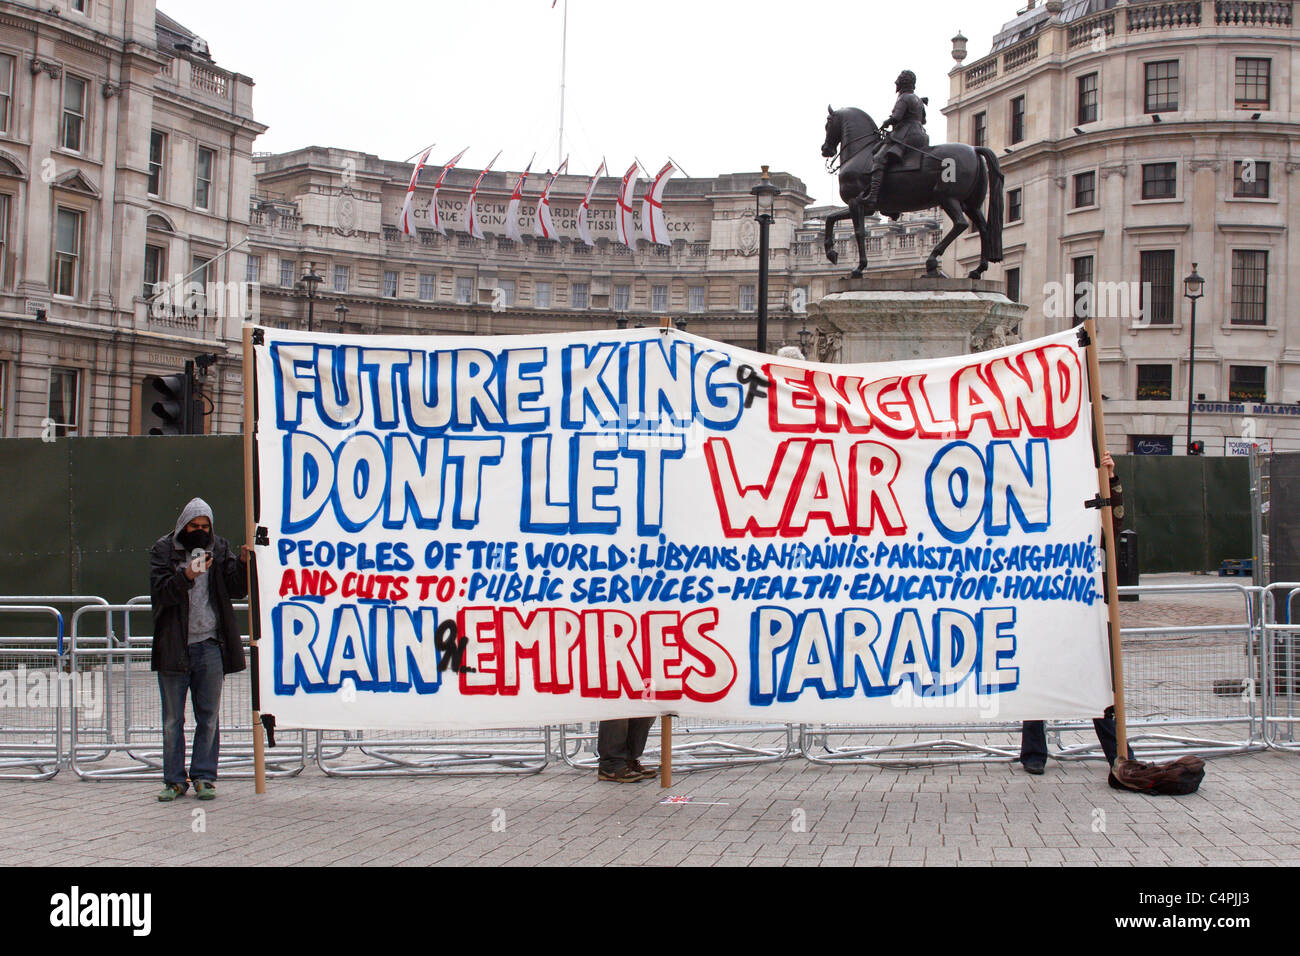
{"x": 665, "y": 654}
{"x": 1039, "y": 391}
{"x": 306, "y": 582}
{"x": 804, "y": 482}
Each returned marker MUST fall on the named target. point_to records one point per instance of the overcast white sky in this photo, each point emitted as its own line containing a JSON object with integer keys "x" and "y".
{"x": 721, "y": 86}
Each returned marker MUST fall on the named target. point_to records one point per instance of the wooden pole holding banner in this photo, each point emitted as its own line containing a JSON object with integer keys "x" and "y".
{"x": 665, "y": 752}
{"x": 665, "y": 722}
{"x": 1108, "y": 538}
{"x": 250, "y": 536}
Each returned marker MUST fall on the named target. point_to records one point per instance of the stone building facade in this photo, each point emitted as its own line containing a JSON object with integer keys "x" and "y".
{"x": 1140, "y": 140}
{"x": 125, "y": 158}
{"x": 335, "y": 212}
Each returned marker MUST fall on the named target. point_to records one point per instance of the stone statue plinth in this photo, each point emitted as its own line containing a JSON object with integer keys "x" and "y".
{"x": 892, "y": 319}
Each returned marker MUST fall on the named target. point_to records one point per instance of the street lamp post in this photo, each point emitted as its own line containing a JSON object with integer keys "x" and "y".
{"x": 1193, "y": 288}
{"x": 805, "y": 340}
{"x": 764, "y": 211}
{"x": 309, "y": 281}
{"x": 341, "y": 313}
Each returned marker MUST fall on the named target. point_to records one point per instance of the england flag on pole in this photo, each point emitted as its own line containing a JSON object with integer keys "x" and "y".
{"x": 624, "y": 220}
{"x": 652, "y": 207}
{"x": 512, "y": 208}
{"x": 436, "y": 220}
{"x": 472, "y": 225}
{"x": 406, "y": 221}
{"x": 583, "y": 232}
{"x": 543, "y": 228}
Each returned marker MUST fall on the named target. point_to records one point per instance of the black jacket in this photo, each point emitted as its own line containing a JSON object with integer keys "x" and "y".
{"x": 169, "y": 593}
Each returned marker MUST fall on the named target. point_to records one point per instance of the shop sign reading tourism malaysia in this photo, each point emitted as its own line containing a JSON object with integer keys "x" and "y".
{"x": 473, "y": 532}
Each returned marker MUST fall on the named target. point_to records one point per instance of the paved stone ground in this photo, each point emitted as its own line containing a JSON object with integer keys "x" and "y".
{"x": 791, "y": 813}
{"x": 1247, "y": 812}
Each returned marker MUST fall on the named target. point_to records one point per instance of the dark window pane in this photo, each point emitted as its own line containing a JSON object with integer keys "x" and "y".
{"x": 1246, "y": 383}
{"x": 1087, "y": 99}
{"x": 1081, "y": 267}
{"x": 1017, "y": 119}
{"x": 1253, "y": 77}
{"x": 1013, "y": 285}
{"x": 1159, "y": 180}
{"x": 1155, "y": 382}
{"x": 1249, "y": 286}
{"x": 1250, "y": 179}
{"x": 1158, "y": 286}
{"x": 156, "y": 141}
{"x": 1162, "y": 86}
{"x": 1014, "y": 205}
{"x": 981, "y": 132}
{"x": 1085, "y": 189}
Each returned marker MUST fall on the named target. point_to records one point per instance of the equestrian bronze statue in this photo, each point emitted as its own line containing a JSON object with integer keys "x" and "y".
{"x": 901, "y": 172}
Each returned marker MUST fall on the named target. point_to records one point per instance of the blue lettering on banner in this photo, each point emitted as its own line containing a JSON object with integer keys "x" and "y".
{"x": 859, "y": 655}
{"x": 393, "y": 649}
{"x": 964, "y": 486}
{"x": 360, "y": 481}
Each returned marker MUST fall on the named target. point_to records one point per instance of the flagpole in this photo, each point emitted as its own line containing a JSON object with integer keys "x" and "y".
{"x": 564, "y": 57}
{"x": 418, "y": 152}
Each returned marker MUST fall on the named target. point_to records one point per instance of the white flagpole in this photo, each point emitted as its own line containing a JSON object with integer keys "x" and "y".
{"x": 564, "y": 53}
{"x": 418, "y": 152}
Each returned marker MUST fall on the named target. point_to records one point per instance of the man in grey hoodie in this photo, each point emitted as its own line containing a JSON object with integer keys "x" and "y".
{"x": 193, "y": 580}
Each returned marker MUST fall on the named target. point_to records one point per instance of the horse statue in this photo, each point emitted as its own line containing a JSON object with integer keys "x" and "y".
{"x": 953, "y": 176}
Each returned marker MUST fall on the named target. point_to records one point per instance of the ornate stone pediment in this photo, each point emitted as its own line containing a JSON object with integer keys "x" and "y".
{"x": 11, "y": 165}
{"x": 75, "y": 181}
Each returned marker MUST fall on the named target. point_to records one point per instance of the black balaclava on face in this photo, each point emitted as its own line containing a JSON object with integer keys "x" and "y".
{"x": 197, "y": 538}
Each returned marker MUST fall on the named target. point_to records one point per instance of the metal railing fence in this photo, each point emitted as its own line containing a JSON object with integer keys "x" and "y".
{"x": 33, "y": 688}
{"x": 84, "y": 697}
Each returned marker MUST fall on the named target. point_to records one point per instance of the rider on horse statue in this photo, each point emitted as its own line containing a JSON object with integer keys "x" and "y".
{"x": 908, "y": 121}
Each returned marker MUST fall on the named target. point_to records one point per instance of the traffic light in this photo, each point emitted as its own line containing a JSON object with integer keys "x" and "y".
{"x": 1196, "y": 448}
{"x": 171, "y": 405}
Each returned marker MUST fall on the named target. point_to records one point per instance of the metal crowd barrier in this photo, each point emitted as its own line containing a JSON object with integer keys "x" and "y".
{"x": 1280, "y": 666}
{"x": 124, "y": 740}
{"x": 1188, "y": 689}
{"x": 1212, "y": 689}
{"x": 910, "y": 745}
{"x": 748, "y": 744}
{"x": 31, "y": 724}
{"x": 376, "y": 753}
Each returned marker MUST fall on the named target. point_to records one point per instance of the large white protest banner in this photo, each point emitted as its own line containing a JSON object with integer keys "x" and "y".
{"x": 460, "y": 532}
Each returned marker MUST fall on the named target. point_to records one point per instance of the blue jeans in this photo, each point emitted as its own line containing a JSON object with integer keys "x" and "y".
{"x": 203, "y": 680}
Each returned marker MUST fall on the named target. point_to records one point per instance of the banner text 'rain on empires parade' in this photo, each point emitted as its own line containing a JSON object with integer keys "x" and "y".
{"x": 536, "y": 529}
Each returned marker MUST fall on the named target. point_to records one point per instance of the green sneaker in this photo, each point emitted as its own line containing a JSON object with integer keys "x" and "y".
{"x": 170, "y": 792}
{"x": 204, "y": 790}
